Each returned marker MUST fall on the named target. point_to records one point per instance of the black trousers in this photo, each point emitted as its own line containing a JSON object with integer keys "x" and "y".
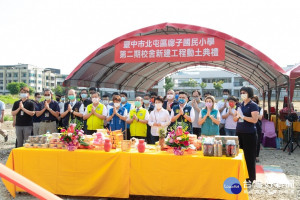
{"x": 197, "y": 131}
{"x": 248, "y": 143}
{"x": 258, "y": 142}
{"x": 90, "y": 132}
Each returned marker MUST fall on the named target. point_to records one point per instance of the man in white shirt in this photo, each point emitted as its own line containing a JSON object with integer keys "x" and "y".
{"x": 222, "y": 104}
{"x": 159, "y": 119}
{"x": 197, "y": 105}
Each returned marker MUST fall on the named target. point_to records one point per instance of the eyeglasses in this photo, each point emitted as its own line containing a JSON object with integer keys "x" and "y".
{"x": 243, "y": 93}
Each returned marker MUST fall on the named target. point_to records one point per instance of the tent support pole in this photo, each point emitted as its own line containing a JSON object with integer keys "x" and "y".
{"x": 277, "y": 100}
{"x": 269, "y": 102}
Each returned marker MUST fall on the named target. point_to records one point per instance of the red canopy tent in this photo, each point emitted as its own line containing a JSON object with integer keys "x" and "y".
{"x": 293, "y": 75}
{"x": 100, "y": 70}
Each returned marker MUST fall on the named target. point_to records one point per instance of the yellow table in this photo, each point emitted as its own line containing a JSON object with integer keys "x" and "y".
{"x": 120, "y": 174}
{"x": 282, "y": 126}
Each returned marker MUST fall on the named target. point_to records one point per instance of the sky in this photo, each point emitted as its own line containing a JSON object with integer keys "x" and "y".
{"x": 62, "y": 33}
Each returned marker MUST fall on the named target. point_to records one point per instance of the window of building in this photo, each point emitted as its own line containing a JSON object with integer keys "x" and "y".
{"x": 52, "y": 84}
{"x": 1, "y": 75}
{"x": 23, "y": 74}
{"x": 24, "y": 81}
{"x": 47, "y": 77}
{"x": 1, "y": 82}
{"x": 8, "y": 75}
{"x": 39, "y": 88}
{"x": 40, "y": 75}
{"x": 40, "y": 82}
{"x": 52, "y": 78}
{"x": 31, "y": 81}
{"x": 47, "y": 84}
{"x": 1, "y": 88}
{"x": 15, "y": 74}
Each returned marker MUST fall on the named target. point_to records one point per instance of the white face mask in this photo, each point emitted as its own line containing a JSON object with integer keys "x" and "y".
{"x": 170, "y": 96}
{"x": 116, "y": 104}
{"x": 158, "y": 106}
{"x": 244, "y": 96}
{"x": 105, "y": 102}
{"x": 47, "y": 97}
{"x": 95, "y": 100}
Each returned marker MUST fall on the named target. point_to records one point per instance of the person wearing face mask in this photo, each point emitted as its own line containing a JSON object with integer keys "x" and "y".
{"x": 209, "y": 118}
{"x": 221, "y": 106}
{"x": 153, "y": 97}
{"x": 73, "y": 109}
{"x": 148, "y": 106}
{"x": 49, "y": 112}
{"x": 95, "y": 114}
{"x": 117, "y": 115}
{"x": 228, "y": 114}
{"x": 168, "y": 105}
{"x": 176, "y": 95}
{"x": 255, "y": 99}
{"x": 247, "y": 117}
{"x": 182, "y": 114}
{"x": 138, "y": 120}
{"x": 159, "y": 118}
{"x": 128, "y": 107}
{"x": 111, "y": 104}
{"x": 85, "y": 101}
{"x": 36, "y": 120}
{"x": 105, "y": 101}
{"x": 23, "y": 110}
{"x": 197, "y": 105}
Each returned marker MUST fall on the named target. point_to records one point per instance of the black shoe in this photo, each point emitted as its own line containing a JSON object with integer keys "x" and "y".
{"x": 5, "y": 138}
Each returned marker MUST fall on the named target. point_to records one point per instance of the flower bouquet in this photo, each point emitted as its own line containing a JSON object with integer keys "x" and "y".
{"x": 179, "y": 140}
{"x": 72, "y": 137}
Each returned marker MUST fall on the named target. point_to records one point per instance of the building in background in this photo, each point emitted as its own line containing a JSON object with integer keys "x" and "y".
{"x": 35, "y": 77}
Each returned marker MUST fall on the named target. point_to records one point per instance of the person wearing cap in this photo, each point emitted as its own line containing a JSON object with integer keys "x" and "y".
{"x": 85, "y": 101}
{"x": 95, "y": 114}
{"x": 2, "y": 109}
{"x": 138, "y": 120}
{"x": 182, "y": 114}
{"x": 209, "y": 118}
{"x": 73, "y": 109}
{"x": 49, "y": 112}
{"x": 23, "y": 110}
{"x": 117, "y": 115}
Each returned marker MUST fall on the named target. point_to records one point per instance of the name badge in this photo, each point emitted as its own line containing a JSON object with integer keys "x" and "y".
{"x": 141, "y": 114}
{"x": 22, "y": 113}
{"x": 46, "y": 114}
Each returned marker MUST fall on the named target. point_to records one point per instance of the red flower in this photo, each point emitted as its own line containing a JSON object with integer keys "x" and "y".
{"x": 63, "y": 130}
{"x": 186, "y": 143}
{"x": 186, "y": 132}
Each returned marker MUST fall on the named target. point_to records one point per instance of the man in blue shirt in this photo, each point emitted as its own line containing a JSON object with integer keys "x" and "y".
{"x": 128, "y": 107}
{"x": 48, "y": 113}
{"x": 36, "y": 120}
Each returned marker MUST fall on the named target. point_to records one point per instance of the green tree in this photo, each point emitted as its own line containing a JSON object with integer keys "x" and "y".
{"x": 169, "y": 83}
{"x": 218, "y": 85}
{"x": 189, "y": 83}
{"x": 13, "y": 87}
{"x": 203, "y": 85}
{"x": 59, "y": 90}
